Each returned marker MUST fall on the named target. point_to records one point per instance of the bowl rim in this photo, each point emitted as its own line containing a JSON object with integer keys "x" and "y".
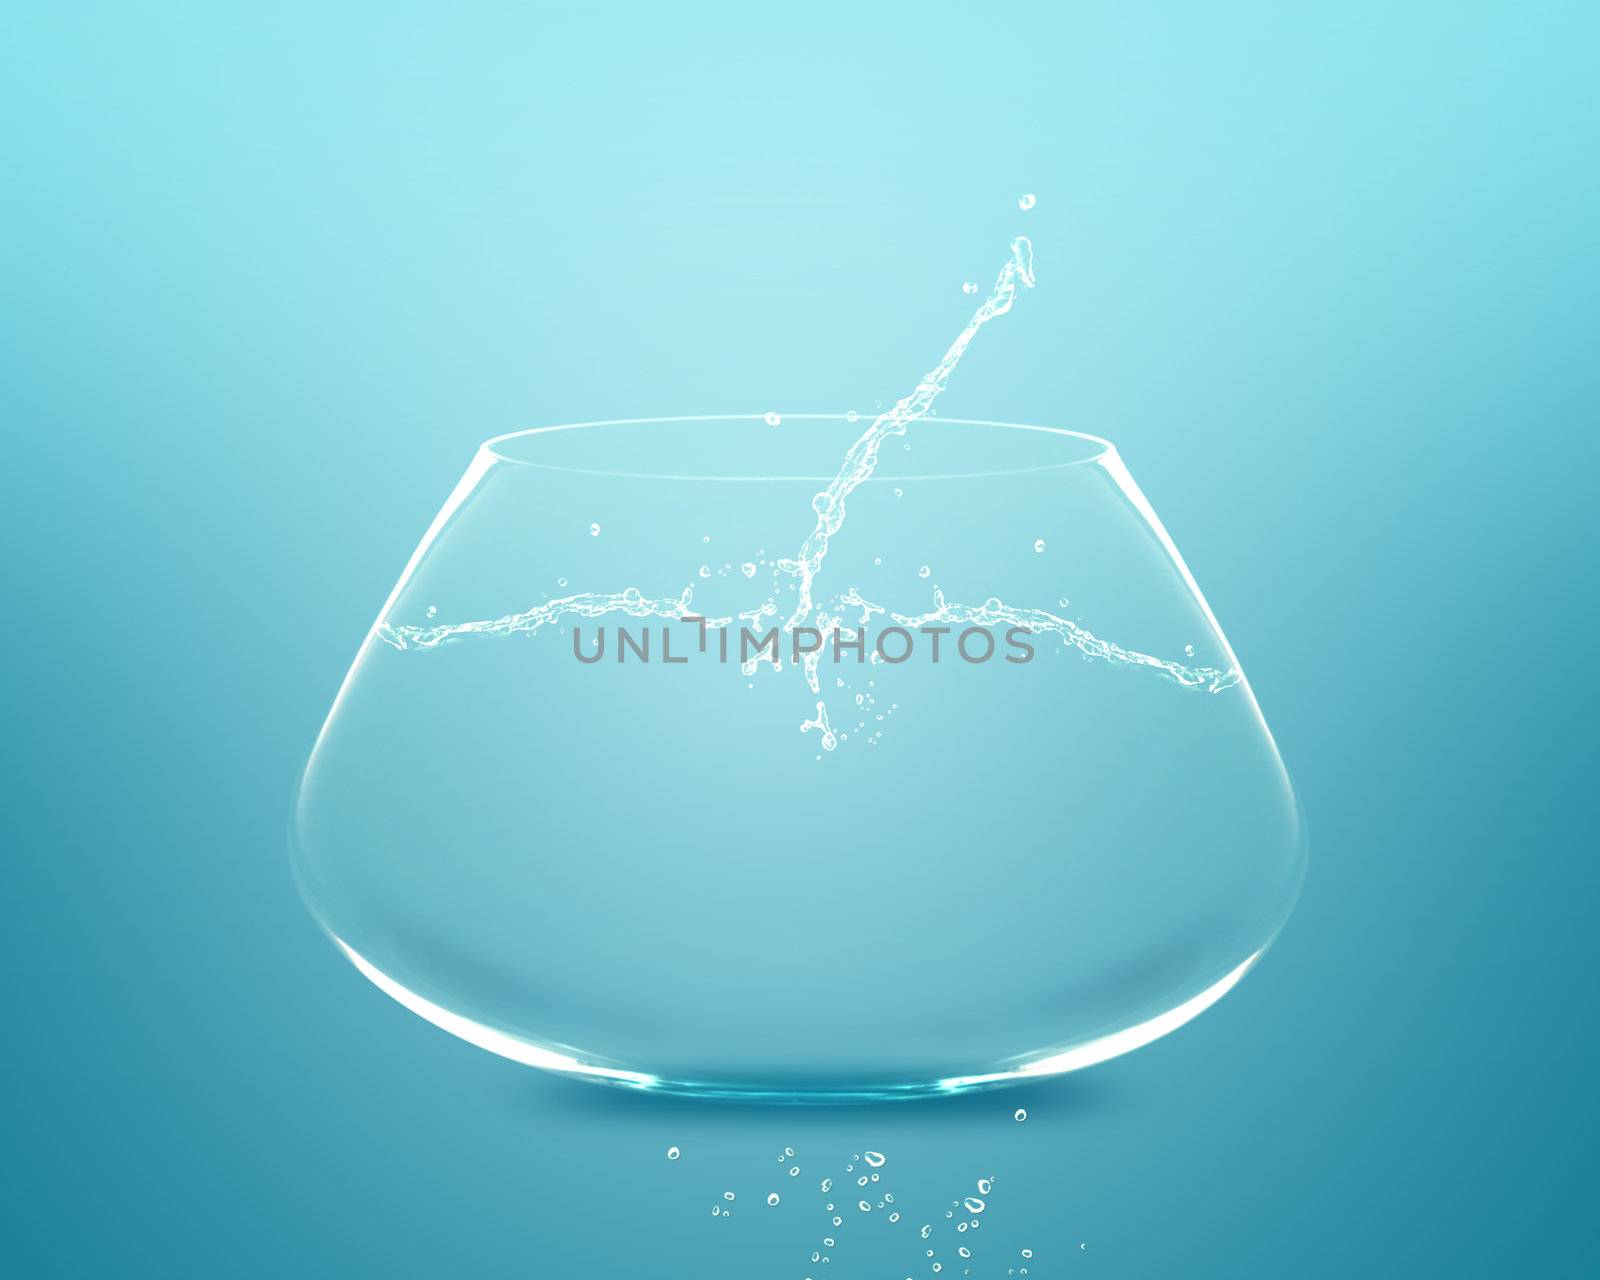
{"x": 497, "y": 447}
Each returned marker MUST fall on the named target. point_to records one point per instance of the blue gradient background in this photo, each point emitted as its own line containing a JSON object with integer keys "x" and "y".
{"x": 270, "y": 272}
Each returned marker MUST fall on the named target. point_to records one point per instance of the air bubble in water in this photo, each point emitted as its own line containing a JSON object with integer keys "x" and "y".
{"x": 1188, "y": 651}
{"x": 705, "y": 571}
{"x": 594, "y": 530}
{"x": 973, "y": 1204}
{"x": 969, "y": 287}
{"x": 863, "y": 1206}
{"x": 1022, "y": 1112}
{"x": 432, "y": 610}
{"x": 794, "y": 1171}
{"x": 772, "y": 419}
{"x": 985, "y": 1186}
{"x": 748, "y": 569}
{"x": 1038, "y": 545}
{"x": 1026, "y": 202}
{"x": 852, "y": 416}
{"x": 924, "y": 571}
{"x": 728, "y": 1195}
{"x": 875, "y": 1159}
{"x": 773, "y": 1198}
{"x": 673, "y": 1153}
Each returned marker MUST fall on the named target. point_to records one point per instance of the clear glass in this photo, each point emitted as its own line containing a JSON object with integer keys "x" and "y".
{"x": 662, "y": 869}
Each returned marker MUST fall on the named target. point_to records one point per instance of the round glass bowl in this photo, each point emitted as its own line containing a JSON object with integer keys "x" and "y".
{"x": 579, "y": 803}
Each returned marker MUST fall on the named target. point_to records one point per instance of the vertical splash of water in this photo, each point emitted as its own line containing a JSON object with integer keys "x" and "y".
{"x": 862, "y": 458}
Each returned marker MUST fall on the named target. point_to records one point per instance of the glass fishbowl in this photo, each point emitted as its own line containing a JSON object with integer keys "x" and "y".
{"x": 629, "y": 782}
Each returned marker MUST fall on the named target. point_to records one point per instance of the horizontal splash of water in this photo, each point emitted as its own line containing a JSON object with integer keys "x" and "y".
{"x": 631, "y": 603}
{"x": 992, "y": 612}
{"x": 860, "y": 462}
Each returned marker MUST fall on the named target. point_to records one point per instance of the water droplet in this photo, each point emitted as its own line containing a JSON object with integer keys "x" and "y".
{"x": 924, "y": 571}
{"x": 594, "y": 531}
{"x": 673, "y": 1153}
{"x": 973, "y": 1204}
{"x": 772, "y": 419}
{"x": 1022, "y": 1112}
{"x": 1038, "y": 545}
{"x": 1027, "y": 202}
{"x": 773, "y": 1198}
{"x": 969, "y": 287}
{"x": 876, "y": 1159}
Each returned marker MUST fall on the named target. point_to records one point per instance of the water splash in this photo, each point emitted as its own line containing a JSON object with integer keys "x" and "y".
{"x": 861, "y": 459}
{"x": 830, "y": 740}
{"x": 994, "y": 612}
{"x": 632, "y": 602}
{"x": 860, "y": 462}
